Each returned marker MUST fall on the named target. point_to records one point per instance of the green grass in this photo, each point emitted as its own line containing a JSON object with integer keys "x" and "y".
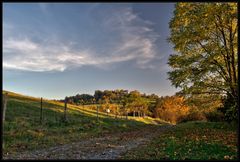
{"x": 191, "y": 141}
{"x": 23, "y": 131}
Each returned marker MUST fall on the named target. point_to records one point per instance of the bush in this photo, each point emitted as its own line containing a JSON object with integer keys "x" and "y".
{"x": 171, "y": 108}
{"x": 230, "y": 109}
{"x": 192, "y": 116}
{"x": 215, "y": 116}
{"x": 169, "y": 116}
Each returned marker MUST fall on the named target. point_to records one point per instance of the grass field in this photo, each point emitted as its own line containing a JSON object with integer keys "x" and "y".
{"x": 23, "y": 131}
{"x": 191, "y": 141}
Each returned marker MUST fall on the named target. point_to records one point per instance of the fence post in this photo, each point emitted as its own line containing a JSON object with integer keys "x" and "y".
{"x": 97, "y": 114}
{"x": 65, "y": 110}
{"x": 5, "y": 98}
{"x": 41, "y": 113}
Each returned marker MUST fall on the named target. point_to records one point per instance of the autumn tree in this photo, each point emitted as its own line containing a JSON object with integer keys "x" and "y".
{"x": 115, "y": 109}
{"x": 204, "y": 36}
{"x": 171, "y": 108}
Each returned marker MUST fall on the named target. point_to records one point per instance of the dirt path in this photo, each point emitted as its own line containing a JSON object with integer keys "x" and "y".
{"x": 108, "y": 147}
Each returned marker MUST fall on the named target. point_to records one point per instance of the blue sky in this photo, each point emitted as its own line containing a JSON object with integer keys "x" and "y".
{"x": 53, "y": 50}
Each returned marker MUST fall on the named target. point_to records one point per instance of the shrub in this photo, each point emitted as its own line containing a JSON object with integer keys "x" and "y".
{"x": 214, "y": 116}
{"x": 171, "y": 108}
{"x": 230, "y": 109}
{"x": 192, "y": 116}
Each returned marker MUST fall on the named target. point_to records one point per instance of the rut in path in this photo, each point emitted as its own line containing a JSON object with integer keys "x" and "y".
{"x": 111, "y": 146}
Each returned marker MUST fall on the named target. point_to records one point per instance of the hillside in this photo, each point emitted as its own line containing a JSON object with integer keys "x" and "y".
{"x": 23, "y": 131}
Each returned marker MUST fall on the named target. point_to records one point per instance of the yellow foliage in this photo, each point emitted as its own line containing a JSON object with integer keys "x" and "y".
{"x": 172, "y": 108}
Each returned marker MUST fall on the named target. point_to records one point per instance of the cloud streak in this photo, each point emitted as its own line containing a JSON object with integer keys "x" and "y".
{"x": 135, "y": 41}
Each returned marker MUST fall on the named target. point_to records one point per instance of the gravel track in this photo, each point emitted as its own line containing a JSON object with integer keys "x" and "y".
{"x": 111, "y": 146}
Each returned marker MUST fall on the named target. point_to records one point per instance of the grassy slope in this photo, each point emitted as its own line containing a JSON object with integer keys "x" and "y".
{"x": 22, "y": 130}
{"x": 192, "y": 140}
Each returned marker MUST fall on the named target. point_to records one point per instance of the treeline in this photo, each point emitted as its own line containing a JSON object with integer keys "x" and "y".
{"x": 107, "y": 96}
{"x": 173, "y": 109}
{"x": 119, "y": 101}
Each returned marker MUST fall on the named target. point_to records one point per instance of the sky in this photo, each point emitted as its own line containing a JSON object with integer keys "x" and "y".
{"x": 53, "y": 50}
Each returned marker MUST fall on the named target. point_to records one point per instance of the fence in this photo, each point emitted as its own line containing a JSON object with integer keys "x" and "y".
{"x": 64, "y": 117}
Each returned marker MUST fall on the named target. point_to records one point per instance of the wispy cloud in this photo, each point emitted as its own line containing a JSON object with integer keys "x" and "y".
{"x": 135, "y": 41}
{"x": 23, "y": 45}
